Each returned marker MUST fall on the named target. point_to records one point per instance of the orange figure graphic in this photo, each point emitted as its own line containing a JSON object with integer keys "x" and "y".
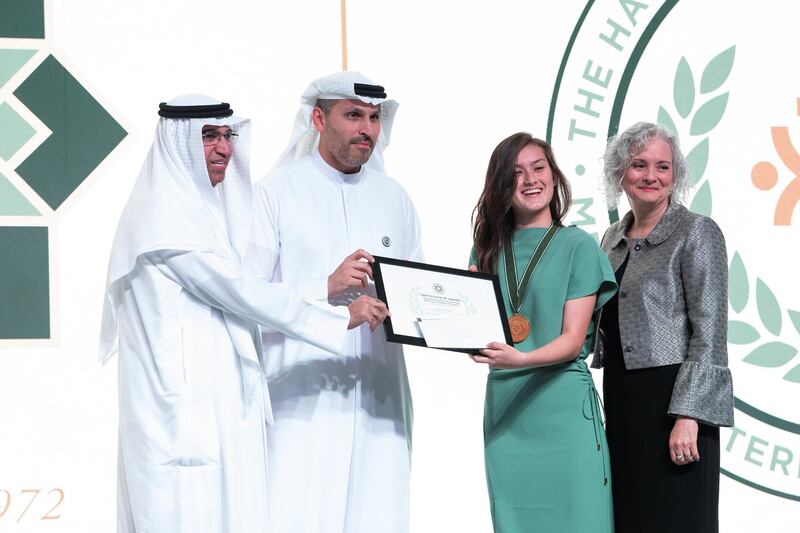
{"x": 765, "y": 175}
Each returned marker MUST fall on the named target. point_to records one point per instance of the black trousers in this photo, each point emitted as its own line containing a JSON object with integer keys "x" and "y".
{"x": 651, "y": 493}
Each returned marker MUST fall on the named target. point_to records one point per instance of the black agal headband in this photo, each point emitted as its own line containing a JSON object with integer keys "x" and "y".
{"x": 369, "y": 91}
{"x": 195, "y": 111}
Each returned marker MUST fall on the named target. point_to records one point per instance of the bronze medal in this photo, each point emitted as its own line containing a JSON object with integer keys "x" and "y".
{"x": 520, "y": 327}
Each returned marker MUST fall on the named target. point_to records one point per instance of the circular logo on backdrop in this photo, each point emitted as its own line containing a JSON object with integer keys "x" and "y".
{"x": 386, "y": 241}
{"x": 607, "y": 79}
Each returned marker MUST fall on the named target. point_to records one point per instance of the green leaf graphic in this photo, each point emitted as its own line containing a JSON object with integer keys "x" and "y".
{"x": 665, "y": 120}
{"x": 697, "y": 160}
{"x": 709, "y": 115}
{"x": 717, "y": 71}
{"x": 683, "y": 89}
{"x": 738, "y": 286}
{"x": 741, "y": 332}
{"x": 793, "y": 375}
{"x": 771, "y": 355}
{"x": 768, "y": 308}
{"x": 795, "y": 317}
{"x": 701, "y": 203}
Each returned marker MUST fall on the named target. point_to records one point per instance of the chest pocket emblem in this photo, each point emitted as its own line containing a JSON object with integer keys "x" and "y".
{"x": 386, "y": 241}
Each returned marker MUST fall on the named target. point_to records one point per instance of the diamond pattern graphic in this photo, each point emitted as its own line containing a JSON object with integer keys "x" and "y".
{"x": 12, "y": 203}
{"x": 22, "y": 18}
{"x": 83, "y": 132}
{"x": 11, "y": 61}
{"x": 82, "y": 135}
{"x": 24, "y": 271}
{"x": 16, "y": 132}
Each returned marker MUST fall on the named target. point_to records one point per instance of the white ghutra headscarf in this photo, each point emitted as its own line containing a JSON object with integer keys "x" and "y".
{"x": 174, "y": 207}
{"x": 340, "y": 86}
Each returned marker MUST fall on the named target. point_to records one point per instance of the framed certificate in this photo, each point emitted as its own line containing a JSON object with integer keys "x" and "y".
{"x": 440, "y": 307}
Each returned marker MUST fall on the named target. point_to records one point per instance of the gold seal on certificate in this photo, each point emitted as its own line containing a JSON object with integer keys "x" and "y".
{"x": 520, "y": 327}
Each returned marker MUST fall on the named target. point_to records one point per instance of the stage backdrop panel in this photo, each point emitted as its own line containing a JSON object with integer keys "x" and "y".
{"x": 79, "y": 88}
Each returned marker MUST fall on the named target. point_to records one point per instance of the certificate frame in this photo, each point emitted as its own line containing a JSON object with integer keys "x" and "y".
{"x": 479, "y": 277}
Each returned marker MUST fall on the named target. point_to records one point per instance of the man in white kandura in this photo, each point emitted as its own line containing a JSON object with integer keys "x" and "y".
{"x": 184, "y": 316}
{"x": 340, "y": 447}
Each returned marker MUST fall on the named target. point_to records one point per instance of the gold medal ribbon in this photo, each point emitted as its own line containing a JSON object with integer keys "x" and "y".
{"x": 518, "y": 287}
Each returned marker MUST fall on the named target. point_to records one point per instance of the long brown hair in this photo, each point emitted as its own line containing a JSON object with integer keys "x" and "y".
{"x": 492, "y": 218}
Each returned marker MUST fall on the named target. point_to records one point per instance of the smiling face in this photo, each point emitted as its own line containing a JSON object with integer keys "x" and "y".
{"x": 648, "y": 179}
{"x": 348, "y": 133}
{"x": 217, "y": 155}
{"x": 534, "y": 188}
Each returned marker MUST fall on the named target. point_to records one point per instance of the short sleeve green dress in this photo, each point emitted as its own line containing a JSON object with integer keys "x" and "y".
{"x": 545, "y": 447}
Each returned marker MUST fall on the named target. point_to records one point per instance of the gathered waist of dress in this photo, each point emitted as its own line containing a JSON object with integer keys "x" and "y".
{"x": 576, "y": 367}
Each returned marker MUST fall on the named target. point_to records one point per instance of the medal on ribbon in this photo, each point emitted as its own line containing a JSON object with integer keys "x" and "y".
{"x": 520, "y": 327}
{"x": 518, "y": 323}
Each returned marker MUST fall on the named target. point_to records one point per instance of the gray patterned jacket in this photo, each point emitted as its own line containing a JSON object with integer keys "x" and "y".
{"x": 673, "y": 308}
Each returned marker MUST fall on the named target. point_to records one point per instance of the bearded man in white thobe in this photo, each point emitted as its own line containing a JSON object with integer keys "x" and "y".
{"x": 340, "y": 447}
{"x": 184, "y": 317}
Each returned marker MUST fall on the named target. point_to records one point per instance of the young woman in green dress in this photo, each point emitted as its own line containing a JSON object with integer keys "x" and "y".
{"x": 545, "y": 447}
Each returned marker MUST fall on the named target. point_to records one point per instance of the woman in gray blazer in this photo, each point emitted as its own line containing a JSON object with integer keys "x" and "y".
{"x": 663, "y": 342}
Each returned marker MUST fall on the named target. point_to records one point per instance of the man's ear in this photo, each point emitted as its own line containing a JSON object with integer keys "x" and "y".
{"x": 318, "y": 119}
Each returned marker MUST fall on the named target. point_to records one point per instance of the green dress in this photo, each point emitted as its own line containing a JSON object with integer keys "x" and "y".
{"x": 545, "y": 447}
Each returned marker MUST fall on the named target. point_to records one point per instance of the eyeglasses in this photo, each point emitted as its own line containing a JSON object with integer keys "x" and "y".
{"x": 213, "y": 137}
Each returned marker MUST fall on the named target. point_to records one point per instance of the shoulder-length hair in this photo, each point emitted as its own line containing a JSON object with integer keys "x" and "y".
{"x": 622, "y": 148}
{"x": 492, "y": 219}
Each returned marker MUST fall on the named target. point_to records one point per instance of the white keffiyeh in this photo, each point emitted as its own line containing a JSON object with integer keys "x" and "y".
{"x": 339, "y": 86}
{"x": 174, "y": 207}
